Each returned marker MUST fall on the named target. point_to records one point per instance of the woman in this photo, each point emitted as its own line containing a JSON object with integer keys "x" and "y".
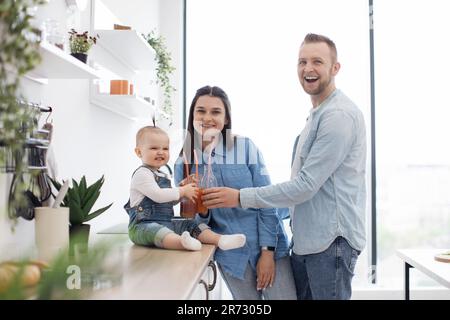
{"x": 260, "y": 269}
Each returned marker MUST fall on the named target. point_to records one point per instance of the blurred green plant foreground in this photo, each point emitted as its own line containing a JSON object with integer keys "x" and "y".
{"x": 67, "y": 277}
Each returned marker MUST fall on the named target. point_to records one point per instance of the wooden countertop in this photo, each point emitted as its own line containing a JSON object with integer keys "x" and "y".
{"x": 151, "y": 273}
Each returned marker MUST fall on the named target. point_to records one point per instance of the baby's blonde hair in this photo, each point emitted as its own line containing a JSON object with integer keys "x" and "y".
{"x": 147, "y": 129}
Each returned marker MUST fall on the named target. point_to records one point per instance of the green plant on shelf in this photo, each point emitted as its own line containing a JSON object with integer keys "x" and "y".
{"x": 163, "y": 70}
{"x": 81, "y": 42}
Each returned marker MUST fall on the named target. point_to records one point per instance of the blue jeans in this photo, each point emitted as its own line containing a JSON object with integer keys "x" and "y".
{"x": 153, "y": 233}
{"x": 283, "y": 287}
{"x": 326, "y": 275}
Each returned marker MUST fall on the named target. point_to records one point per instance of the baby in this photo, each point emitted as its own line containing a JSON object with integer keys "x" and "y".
{"x": 150, "y": 207}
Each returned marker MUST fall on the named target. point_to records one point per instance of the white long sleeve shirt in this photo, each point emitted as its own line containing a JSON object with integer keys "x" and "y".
{"x": 328, "y": 192}
{"x": 143, "y": 184}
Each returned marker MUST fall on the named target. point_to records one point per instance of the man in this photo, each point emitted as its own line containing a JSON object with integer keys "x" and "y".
{"x": 326, "y": 193}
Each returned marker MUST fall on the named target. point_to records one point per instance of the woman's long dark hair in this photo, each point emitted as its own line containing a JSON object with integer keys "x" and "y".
{"x": 226, "y": 131}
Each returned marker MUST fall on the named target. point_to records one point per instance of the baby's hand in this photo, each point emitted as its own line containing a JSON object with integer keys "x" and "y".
{"x": 189, "y": 191}
{"x": 191, "y": 179}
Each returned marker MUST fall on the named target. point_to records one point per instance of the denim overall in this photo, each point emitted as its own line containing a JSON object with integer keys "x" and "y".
{"x": 150, "y": 221}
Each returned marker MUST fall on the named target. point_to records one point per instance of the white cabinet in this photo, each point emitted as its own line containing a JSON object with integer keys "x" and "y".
{"x": 128, "y": 106}
{"x": 118, "y": 54}
{"x": 136, "y": 56}
{"x": 208, "y": 287}
{"x": 57, "y": 64}
{"x": 122, "y": 55}
{"x": 129, "y": 47}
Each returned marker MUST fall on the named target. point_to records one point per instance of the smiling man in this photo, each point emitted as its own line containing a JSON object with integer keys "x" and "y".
{"x": 326, "y": 193}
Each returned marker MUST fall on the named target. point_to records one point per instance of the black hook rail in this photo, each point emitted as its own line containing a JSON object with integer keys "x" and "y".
{"x": 35, "y": 105}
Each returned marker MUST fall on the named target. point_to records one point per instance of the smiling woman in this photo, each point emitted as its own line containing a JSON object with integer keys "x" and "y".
{"x": 236, "y": 162}
{"x": 209, "y": 116}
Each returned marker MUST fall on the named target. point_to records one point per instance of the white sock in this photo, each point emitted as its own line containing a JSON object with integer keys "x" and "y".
{"x": 231, "y": 241}
{"x": 190, "y": 243}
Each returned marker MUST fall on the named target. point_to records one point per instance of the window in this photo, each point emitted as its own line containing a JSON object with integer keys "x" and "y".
{"x": 250, "y": 49}
{"x": 413, "y": 158}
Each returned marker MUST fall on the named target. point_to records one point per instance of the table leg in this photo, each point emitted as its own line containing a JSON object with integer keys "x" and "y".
{"x": 407, "y": 267}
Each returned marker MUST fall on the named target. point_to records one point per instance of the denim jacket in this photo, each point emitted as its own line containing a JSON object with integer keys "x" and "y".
{"x": 329, "y": 192}
{"x": 239, "y": 167}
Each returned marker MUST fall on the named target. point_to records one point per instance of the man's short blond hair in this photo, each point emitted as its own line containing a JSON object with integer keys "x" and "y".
{"x": 315, "y": 38}
{"x": 142, "y": 132}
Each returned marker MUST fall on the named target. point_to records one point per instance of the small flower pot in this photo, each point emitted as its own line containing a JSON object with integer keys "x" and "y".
{"x": 78, "y": 239}
{"x": 80, "y": 56}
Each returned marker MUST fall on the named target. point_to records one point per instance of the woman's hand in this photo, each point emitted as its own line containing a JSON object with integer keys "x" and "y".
{"x": 189, "y": 191}
{"x": 221, "y": 197}
{"x": 265, "y": 270}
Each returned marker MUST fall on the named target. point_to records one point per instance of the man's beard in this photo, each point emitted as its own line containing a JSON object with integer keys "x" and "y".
{"x": 317, "y": 91}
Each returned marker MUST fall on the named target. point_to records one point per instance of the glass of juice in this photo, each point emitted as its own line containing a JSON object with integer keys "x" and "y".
{"x": 208, "y": 180}
{"x": 200, "y": 207}
{"x": 188, "y": 208}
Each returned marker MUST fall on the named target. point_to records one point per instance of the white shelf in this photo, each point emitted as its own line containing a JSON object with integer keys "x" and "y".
{"x": 128, "y": 106}
{"x": 57, "y": 64}
{"x": 129, "y": 47}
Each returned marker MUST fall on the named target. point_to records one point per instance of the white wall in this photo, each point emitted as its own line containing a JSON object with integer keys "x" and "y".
{"x": 142, "y": 15}
{"x": 88, "y": 140}
{"x": 171, "y": 27}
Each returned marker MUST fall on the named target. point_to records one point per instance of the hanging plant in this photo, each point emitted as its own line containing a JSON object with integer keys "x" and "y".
{"x": 163, "y": 70}
{"x": 19, "y": 53}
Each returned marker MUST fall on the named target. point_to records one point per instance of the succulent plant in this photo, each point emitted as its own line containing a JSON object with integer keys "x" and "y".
{"x": 80, "y": 199}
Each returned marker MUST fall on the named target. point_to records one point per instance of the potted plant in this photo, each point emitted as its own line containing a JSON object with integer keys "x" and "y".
{"x": 163, "y": 72}
{"x": 80, "y": 199}
{"x": 80, "y": 43}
